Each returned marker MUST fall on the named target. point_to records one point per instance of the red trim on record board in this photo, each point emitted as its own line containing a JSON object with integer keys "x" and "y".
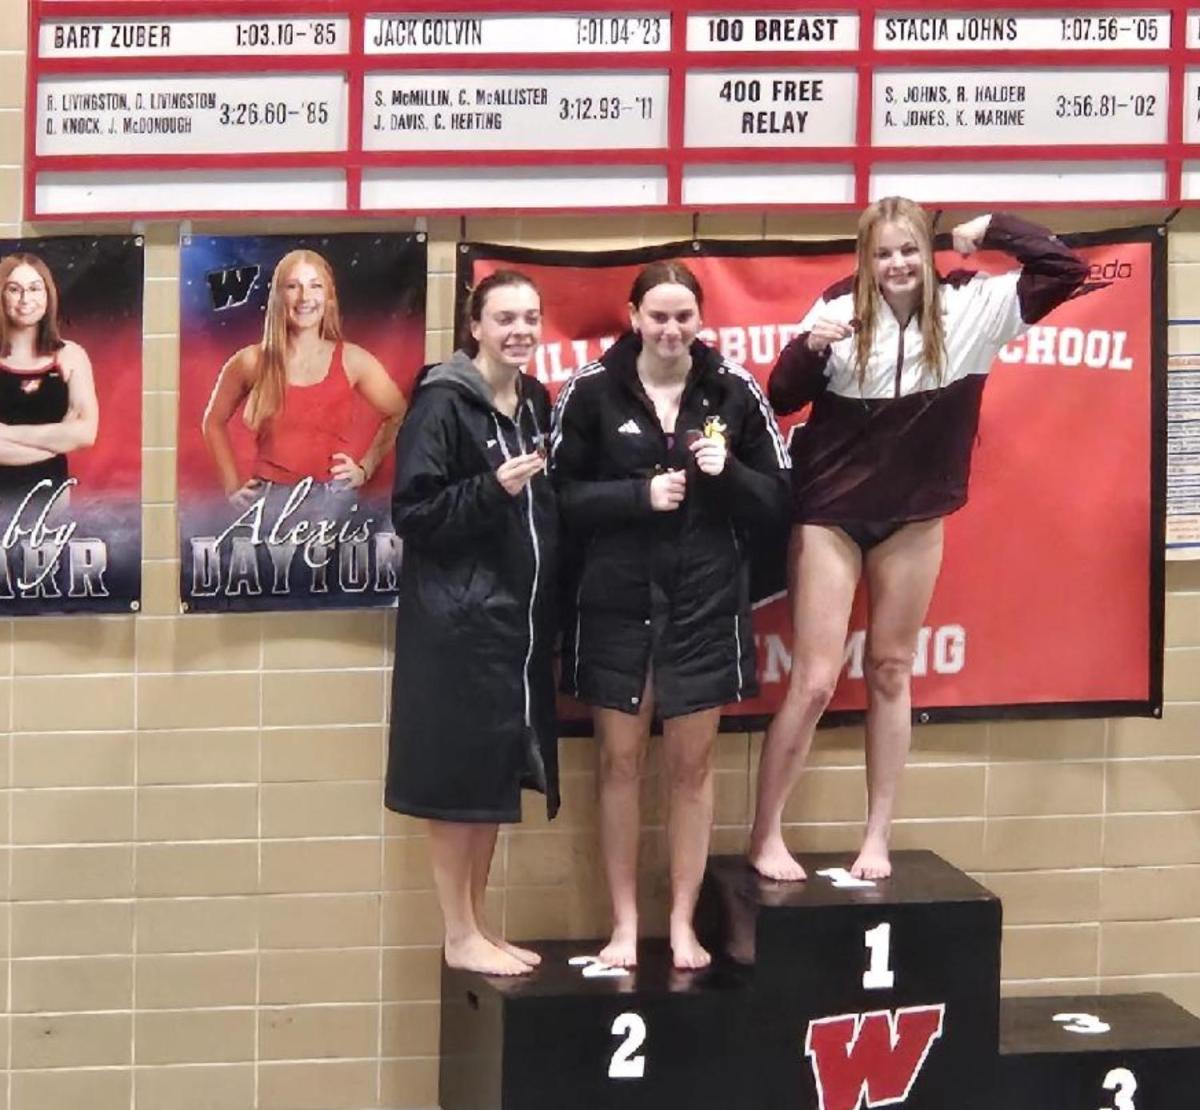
{"x": 1176, "y": 97}
{"x": 354, "y": 123}
{"x": 676, "y": 93}
{"x": 29, "y": 171}
{"x": 862, "y": 109}
{"x": 860, "y": 159}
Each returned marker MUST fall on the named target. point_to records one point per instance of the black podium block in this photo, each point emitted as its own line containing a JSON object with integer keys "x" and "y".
{"x": 1119, "y": 1052}
{"x": 865, "y": 993}
{"x": 573, "y": 1035}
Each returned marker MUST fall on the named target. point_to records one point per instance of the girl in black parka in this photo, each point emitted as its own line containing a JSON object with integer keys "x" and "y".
{"x": 665, "y": 456}
{"x": 473, "y": 716}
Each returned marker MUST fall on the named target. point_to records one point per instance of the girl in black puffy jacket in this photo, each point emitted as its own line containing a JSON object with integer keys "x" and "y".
{"x": 473, "y": 715}
{"x": 665, "y": 456}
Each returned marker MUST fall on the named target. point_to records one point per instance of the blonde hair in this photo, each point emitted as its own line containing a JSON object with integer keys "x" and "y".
{"x": 270, "y": 376}
{"x": 867, "y": 298}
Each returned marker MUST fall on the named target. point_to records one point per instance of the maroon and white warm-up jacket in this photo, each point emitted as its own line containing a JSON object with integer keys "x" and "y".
{"x": 895, "y": 444}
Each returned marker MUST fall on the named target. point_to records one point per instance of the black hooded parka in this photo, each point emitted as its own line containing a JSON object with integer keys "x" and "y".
{"x": 666, "y": 593}
{"x": 473, "y": 703}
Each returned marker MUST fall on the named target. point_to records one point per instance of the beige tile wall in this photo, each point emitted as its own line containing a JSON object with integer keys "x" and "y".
{"x": 207, "y": 907}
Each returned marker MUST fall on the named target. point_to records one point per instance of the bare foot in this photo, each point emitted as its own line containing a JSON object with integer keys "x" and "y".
{"x": 772, "y": 860}
{"x": 621, "y": 950}
{"x": 873, "y": 861}
{"x": 687, "y": 953}
{"x": 525, "y": 955}
{"x": 477, "y": 953}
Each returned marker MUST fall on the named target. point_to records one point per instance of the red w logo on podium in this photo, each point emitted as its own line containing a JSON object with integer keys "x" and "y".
{"x": 875, "y": 1056}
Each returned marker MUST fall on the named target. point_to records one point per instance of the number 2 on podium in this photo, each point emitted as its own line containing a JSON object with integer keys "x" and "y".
{"x": 878, "y": 976}
{"x": 624, "y": 1063}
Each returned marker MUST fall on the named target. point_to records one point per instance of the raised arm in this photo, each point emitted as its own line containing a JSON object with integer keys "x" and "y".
{"x": 798, "y": 377}
{"x": 1050, "y": 271}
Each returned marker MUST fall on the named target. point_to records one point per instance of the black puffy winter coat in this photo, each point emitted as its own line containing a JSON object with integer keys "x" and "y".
{"x": 473, "y": 714}
{"x": 662, "y": 591}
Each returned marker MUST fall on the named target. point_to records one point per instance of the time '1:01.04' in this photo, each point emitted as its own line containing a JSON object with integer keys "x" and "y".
{"x": 619, "y": 31}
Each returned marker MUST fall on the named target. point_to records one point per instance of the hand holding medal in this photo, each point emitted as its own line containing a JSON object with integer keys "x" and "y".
{"x": 709, "y": 448}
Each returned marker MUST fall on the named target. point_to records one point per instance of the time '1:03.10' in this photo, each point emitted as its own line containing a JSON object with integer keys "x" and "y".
{"x": 286, "y": 33}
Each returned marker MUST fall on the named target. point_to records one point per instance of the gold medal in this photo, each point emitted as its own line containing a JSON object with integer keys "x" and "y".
{"x": 714, "y": 429}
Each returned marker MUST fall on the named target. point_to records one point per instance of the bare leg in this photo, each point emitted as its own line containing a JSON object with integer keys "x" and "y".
{"x": 450, "y": 844}
{"x": 483, "y": 848}
{"x": 688, "y": 751}
{"x": 622, "y": 738}
{"x": 901, "y": 573}
{"x": 824, "y": 567}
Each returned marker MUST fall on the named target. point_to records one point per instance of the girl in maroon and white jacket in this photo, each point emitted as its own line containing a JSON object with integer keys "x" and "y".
{"x": 894, "y": 359}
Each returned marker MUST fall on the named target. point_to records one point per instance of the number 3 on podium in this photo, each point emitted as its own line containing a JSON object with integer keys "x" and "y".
{"x": 627, "y": 1062}
{"x": 1124, "y": 1083}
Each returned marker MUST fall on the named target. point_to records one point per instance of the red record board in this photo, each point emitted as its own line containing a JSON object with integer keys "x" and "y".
{"x": 195, "y": 107}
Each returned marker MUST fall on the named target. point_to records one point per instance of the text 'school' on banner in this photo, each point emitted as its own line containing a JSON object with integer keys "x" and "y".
{"x": 70, "y": 425}
{"x": 1051, "y": 591}
{"x": 296, "y": 354}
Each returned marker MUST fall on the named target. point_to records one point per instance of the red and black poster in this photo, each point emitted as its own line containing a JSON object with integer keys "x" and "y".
{"x": 1050, "y": 599}
{"x": 296, "y": 358}
{"x": 70, "y": 424}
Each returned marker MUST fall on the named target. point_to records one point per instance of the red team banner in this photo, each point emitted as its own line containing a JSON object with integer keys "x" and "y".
{"x": 1050, "y": 600}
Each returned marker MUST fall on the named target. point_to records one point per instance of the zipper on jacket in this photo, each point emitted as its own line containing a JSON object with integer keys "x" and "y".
{"x": 900, "y": 357}
{"x": 537, "y": 561}
{"x": 537, "y": 568}
{"x": 578, "y": 628}
{"x": 737, "y": 616}
{"x": 643, "y": 398}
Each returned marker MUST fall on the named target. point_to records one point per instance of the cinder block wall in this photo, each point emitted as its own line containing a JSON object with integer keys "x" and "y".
{"x": 206, "y": 906}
